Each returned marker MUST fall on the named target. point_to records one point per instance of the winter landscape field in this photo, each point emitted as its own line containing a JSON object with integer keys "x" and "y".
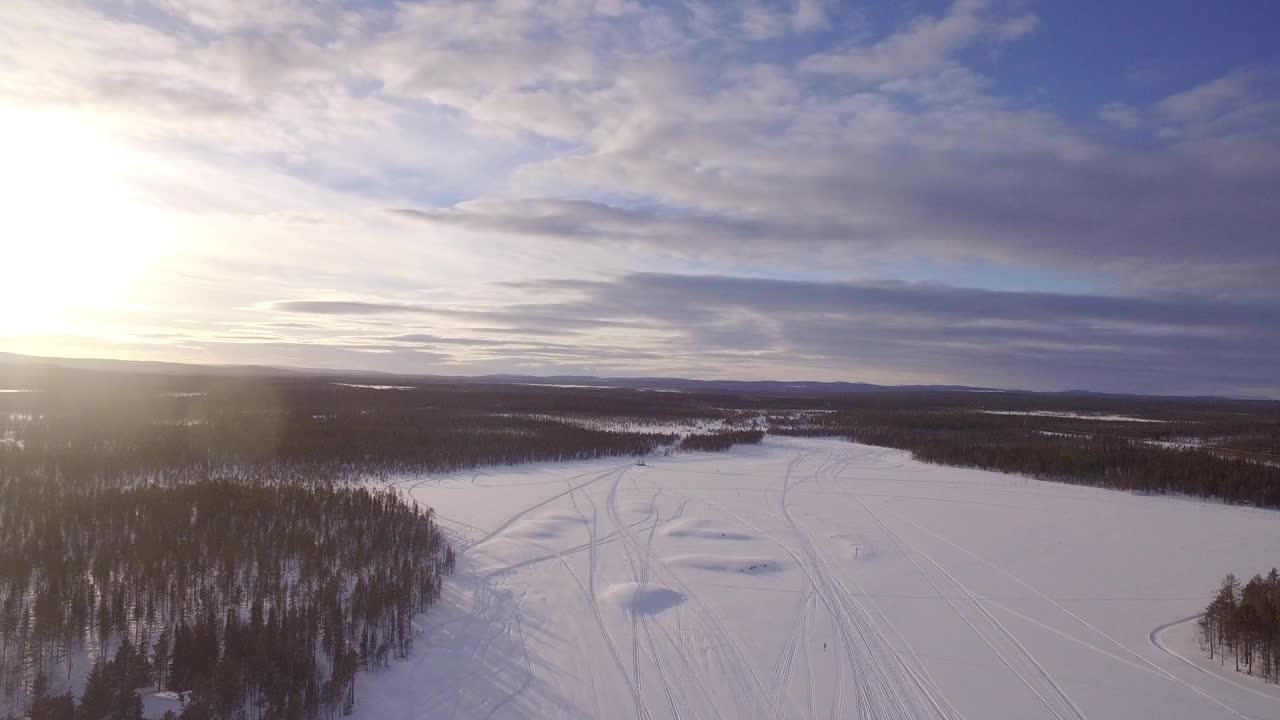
{"x": 815, "y": 578}
{"x": 192, "y": 546}
{"x": 639, "y": 360}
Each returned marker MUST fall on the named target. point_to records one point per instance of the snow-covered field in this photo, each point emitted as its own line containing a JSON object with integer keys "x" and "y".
{"x": 1074, "y": 415}
{"x": 812, "y": 578}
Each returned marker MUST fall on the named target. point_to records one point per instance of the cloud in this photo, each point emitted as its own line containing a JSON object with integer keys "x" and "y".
{"x": 1120, "y": 114}
{"x": 1141, "y": 215}
{"x": 554, "y": 218}
{"x": 927, "y": 43}
{"x": 342, "y": 307}
{"x": 878, "y": 330}
{"x": 810, "y": 15}
{"x": 1244, "y": 100}
{"x": 573, "y": 122}
{"x": 655, "y": 323}
{"x": 621, "y": 143}
{"x": 425, "y": 339}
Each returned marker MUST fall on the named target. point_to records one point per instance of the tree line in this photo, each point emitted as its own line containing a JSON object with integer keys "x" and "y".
{"x": 719, "y": 441}
{"x": 1022, "y": 444}
{"x": 254, "y": 600}
{"x": 302, "y": 446}
{"x": 1243, "y": 623}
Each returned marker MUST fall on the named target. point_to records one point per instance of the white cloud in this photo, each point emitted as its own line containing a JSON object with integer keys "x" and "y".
{"x": 1017, "y": 26}
{"x": 1245, "y": 99}
{"x": 1120, "y": 114}
{"x": 926, "y": 43}
{"x": 810, "y": 15}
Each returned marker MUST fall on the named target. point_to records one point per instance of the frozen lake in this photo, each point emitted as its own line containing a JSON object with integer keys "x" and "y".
{"x": 819, "y": 579}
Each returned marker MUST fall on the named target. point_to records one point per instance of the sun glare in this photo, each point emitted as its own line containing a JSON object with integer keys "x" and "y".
{"x": 71, "y": 238}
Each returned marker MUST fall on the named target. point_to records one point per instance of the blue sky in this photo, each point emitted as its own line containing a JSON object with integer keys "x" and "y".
{"x": 994, "y": 192}
{"x": 1095, "y": 52}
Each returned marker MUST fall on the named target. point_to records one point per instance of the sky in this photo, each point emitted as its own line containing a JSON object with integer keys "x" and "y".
{"x": 1007, "y": 193}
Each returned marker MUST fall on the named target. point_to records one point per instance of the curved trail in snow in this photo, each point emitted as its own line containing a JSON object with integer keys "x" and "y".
{"x": 1154, "y": 638}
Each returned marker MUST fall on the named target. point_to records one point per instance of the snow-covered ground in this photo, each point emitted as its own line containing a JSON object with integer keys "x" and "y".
{"x": 808, "y": 578}
{"x": 1179, "y": 444}
{"x": 1074, "y": 415}
{"x": 575, "y": 387}
{"x": 679, "y": 426}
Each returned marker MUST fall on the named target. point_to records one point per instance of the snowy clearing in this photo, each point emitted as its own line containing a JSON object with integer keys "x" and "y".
{"x": 1073, "y": 415}
{"x": 682, "y": 426}
{"x": 1179, "y": 444}
{"x": 572, "y": 387}
{"x": 808, "y": 578}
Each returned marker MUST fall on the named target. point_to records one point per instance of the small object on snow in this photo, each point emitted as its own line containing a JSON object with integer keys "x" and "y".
{"x": 640, "y": 463}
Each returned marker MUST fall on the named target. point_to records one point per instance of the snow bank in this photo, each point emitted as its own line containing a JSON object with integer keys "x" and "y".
{"x": 641, "y": 599}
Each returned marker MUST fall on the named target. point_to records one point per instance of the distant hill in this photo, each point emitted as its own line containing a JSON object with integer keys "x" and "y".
{"x": 772, "y": 388}
{"x": 14, "y": 361}
{"x": 15, "y": 365}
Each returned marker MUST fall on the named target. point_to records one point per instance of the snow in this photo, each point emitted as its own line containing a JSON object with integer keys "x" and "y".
{"x": 682, "y": 426}
{"x": 1185, "y": 443}
{"x": 377, "y": 387}
{"x": 1079, "y": 416}
{"x": 640, "y": 599}
{"x": 154, "y": 705}
{"x": 1182, "y": 640}
{"x": 882, "y": 588}
{"x": 574, "y": 387}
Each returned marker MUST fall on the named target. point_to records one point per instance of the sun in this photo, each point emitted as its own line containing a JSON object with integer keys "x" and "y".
{"x": 72, "y": 239}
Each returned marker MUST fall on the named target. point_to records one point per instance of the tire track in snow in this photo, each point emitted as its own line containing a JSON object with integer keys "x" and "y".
{"x": 593, "y": 597}
{"x": 1149, "y": 665}
{"x": 485, "y": 589}
{"x": 728, "y": 647}
{"x": 841, "y": 648}
{"x": 1011, "y": 652}
{"x": 888, "y": 687}
{"x": 506, "y": 524}
{"x": 524, "y": 645}
{"x": 1154, "y": 638}
{"x": 782, "y": 666}
{"x": 733, "y": 661}
{"x": 659, "y": 661}
{"x": 639, "y": 574}
{"x": 919, "y": 671}
{"x": 484, "y": 584}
